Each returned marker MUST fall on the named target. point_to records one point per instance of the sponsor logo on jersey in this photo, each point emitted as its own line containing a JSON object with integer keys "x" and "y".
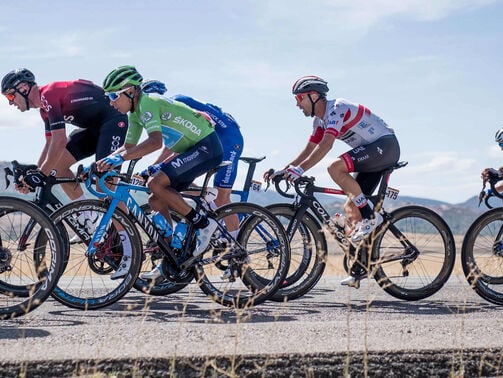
{"x": 45, "y": 104}
{"x": 121, "y": 124}
{"x": 116, "y": 143}
{"x": 379, "y": 149}
{"x": 362, "y": 158}
{"x": 81, "y": 99}
{"x": 166, "y": 116}
{"x": 358, "y": 149}
{"x": 178, "y": 162}
{"x": 363, "y": 124}
{"x": 69, "y": 118}
{"x": 147, "y": 116}
{"x": 189, "y": 125}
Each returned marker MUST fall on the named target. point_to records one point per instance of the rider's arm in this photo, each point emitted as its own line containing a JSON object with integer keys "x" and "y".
{"x": 319, "y": 151}
{"x": 55, "y": 143}
{"x": 304, "y": 154}
{"x": 150, "y": 144}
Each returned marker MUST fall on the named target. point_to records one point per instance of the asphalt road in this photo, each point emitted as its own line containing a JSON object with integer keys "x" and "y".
{"x": 332, "y": 331}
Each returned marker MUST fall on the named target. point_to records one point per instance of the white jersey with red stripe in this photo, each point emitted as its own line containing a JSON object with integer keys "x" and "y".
{"x": 352, "y": 123}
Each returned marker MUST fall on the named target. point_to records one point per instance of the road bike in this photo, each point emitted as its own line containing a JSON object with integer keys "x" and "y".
{"x": 152, "y": 250}
{"x": 227, "y": 271}
{"x": 30, "y": 264}
{"x": 482, "y": 250}
{"x": 411, "y": 254}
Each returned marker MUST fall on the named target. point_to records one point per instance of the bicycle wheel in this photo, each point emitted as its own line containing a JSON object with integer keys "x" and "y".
{"x": 31, "y": 261}
{"x": 308, "y": 254}
{"x": 413, "y": 253}
{"x": 152, "y": 256}
{"x": 482, "y": 256}
{"x": 248, "y": 271}
{"x": 86, "y": 281}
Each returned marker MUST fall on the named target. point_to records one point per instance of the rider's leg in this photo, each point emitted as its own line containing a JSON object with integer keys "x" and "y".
{"x": 359, "y": 207}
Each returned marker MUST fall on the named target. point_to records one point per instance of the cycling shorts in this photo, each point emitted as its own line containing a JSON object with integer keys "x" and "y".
{"x": 183, "y": 169}
{"x": 369, "y": 161}
{"x": 101, "y": 141}
{"x": 232, "y": 144}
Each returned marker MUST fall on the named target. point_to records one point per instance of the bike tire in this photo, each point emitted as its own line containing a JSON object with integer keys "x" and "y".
{"x": 482, "y": 256}
{"x": 258, "y": 262}
{"x": 308, "y": 254}
{"x": 29, "y": 271}
{"x": 432, "y": 240}
{"x": 85, "y": 283}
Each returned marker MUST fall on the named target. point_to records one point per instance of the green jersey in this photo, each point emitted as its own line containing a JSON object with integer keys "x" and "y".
{"x": 181, "y": 126}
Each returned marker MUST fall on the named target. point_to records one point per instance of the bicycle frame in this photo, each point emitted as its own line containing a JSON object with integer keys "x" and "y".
{"x": 306, "y": 200}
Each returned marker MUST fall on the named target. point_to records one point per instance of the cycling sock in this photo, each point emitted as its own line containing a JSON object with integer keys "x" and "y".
{"x": 362, "y": 203}
{"x": 82, "y": 197}
{"x": 367, "y": 212}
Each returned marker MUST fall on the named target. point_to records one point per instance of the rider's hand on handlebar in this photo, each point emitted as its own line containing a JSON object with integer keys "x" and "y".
{"x": 292, "y": 173}
{"x": 32, "y": 179}
{"x": 109, "y": 163}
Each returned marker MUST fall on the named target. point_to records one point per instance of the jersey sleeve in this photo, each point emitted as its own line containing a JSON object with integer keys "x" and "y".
{"x": 318, "y": 131}
{"x": 51, "y": 105}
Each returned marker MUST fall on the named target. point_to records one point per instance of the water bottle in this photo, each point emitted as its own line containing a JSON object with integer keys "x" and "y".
{"x": 162, "y": 225}
{"x": 179, "y": 235}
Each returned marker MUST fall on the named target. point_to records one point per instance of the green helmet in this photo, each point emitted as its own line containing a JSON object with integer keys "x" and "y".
{"x": 120, "y": 77}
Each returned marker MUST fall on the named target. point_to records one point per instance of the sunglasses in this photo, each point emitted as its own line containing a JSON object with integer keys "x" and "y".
{"x": 10, "y": 96}
{"x": 114, "y": 96}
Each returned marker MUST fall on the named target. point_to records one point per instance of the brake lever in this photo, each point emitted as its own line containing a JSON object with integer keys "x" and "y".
{"x": 268, "y": 180}
{"x": 8, "y": 172}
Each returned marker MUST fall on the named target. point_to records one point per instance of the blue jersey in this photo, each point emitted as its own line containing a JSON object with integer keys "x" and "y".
{"x": 224, "y": 122}
{"x": 229, "y": 134}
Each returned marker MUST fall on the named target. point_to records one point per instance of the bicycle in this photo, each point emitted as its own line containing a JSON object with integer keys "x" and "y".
{"x": 411, "y": 255}
{"x": 482, "y": 250}
{"x": 252, "y": 254}
{"x": 31, "y": 264}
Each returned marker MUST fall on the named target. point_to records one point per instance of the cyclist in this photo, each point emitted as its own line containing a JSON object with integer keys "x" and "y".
{"x": 191, "y": 148}
{"x": 231, "y": 138}
{"x": 100, "y": 128}
{"x": 498, "y": 138}
{"x": 374, "y": 148}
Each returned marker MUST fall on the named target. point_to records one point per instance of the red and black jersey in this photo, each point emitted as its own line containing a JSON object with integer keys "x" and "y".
{"x": 80, "y": 103}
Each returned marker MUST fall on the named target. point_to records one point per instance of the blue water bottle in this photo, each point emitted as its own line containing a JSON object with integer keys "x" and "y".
{"x": 179, "y": 235}
{"x": 162, "y": 225}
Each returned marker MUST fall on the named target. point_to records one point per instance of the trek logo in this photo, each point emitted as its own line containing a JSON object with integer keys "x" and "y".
{"x": 189, "y": 125}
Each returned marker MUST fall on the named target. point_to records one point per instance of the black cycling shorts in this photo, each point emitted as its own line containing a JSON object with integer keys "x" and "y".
{"x": 183, "y": 169}
{"x": 101, "y": 141}
{"x": 369, "y": 161}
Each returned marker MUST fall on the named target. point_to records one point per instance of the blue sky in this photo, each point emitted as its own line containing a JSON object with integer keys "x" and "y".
{"x": 432, "y": 69}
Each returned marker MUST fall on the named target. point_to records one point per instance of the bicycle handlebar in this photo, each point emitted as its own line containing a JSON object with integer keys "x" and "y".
{"x": 483, "y": 196}
{"x": 92, "y": 174}
{"x": 277, "y": 180}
